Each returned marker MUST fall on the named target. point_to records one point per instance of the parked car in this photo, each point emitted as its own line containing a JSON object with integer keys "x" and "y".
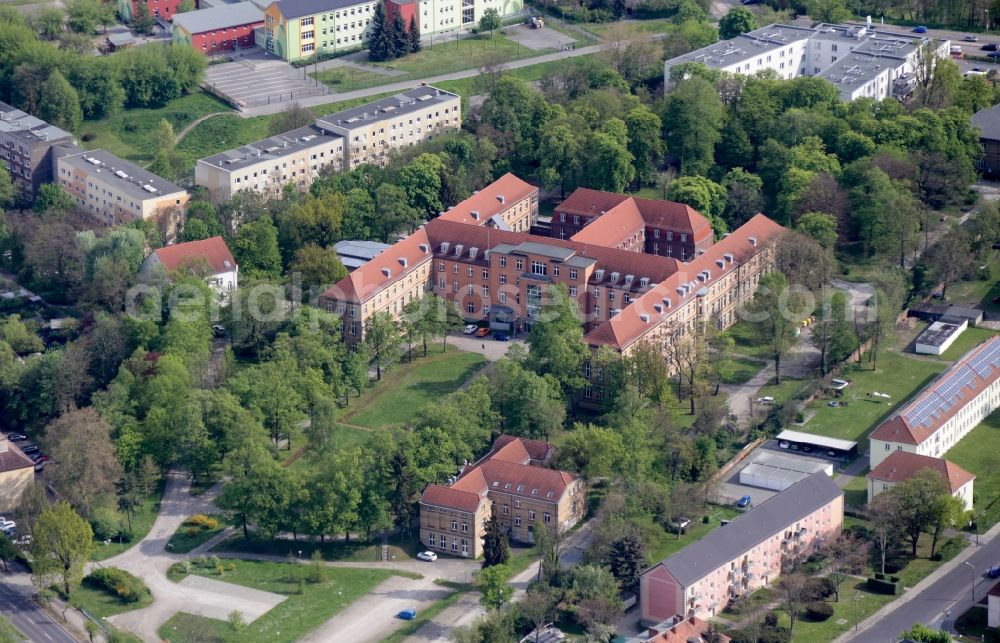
{"x": 482, "y": 332}
{"x": 407, "y": 615}
{"x": 470, "y": 329}
{"x": 743, "y": 502}
{"x": 807, "y": 448}
{"x": 783, "y": 444}
{"x": 993, "y": 54}
{"x": 970, "y": 38}
{"x": 767, "y": 400}
{"x": 920, "y": 29}
{"x": 838, "y": 385}
{"x": 990, "y": 46}
{"x": 429, "y": 556}
{"x": 831, "y": 453}
{"x": 29, "y": 450}
{"x": 39, "y": 457}
{"x": 8, "y": 527}
{"x": 39, "y": 466}
{"x": 219, "y": 331}
{"x": 17, "y": 437}
{"x": 994, "y": 572}
{"x": 501, "y": 337}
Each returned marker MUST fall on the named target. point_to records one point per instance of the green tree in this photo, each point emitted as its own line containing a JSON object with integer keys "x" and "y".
{"x": 737, "y": 21}
{"x": 421, "y": 179}
{"x": 704, "y": 195}
{"x": 317, "y": 266}
{"x": 399, "y": 38}
{"x": 492, "y": 583}
{"x": 920, "y": 504}
{"x": 185, "y": 6}
{"x": 143, "y": 20}
{"x": 644, "y": 143}
{"x": 257, "y": 490}
{"x": 920, "y": 632}
{"x": 393, "y": 211}
{"x": 81, "y": 442}
{"x": 948, "y": 512}
{"x": 626, "y": 558}
{"x": 61, "y": 545}
{"x": 558, "y": 157}
{"x": 692, "y": 120}
{"x": 7, "y": 189}
{"x": 822, "y": 227}
{"x": 384, "y": 341}
{"x": 827, "y": 10}
{"x": 773, "y": 322}
{"x": 594, "y": 451}
{"x": 496, "y": 549}
{"x": 608, "y": 164}
{"x": 379, "y": 37}
{"x": 85, "y": 15}
{"x": 489, "y": 21}
{"x": 49, "y": 22}
{"x": 256, "y": 248}
{"x": 413, "y": 34}
{"x": 294, "y": 117}
{"x": 59, "y": 103}
{"x": 556, "y": 341}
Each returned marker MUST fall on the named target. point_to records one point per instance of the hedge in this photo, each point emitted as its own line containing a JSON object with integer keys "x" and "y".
{"x": 128, "y": 587}
{"x": 879, "y": 586}
{"x": 949, "y": 549}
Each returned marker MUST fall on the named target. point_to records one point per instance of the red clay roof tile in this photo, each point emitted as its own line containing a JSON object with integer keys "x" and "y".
{"x": 903, "y": 465}
{"x": 212, "y": 251}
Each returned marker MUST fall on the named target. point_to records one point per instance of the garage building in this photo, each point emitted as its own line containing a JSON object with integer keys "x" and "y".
{"x": 777, "y": 471}
{"x": 842, "y": 448}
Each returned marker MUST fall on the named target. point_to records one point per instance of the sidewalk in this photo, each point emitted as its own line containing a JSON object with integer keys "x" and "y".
{"x": 936, "y": 575}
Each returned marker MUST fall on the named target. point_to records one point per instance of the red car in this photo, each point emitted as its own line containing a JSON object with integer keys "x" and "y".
{"x": 482, "y": 332}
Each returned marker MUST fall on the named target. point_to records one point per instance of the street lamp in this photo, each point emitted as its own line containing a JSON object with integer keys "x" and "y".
{"x": 857, "y": 600}
{"x": 987, "y": 12}
{"x": 973, "y": 567}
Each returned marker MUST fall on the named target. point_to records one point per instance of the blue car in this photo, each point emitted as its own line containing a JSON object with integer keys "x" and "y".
{"x": 501, "y": 337}
{"x": 920, "y": 29}
{"x": 407, "y": 615}
{"x": 994, "y": 572}
{"x": 744, "y": 502}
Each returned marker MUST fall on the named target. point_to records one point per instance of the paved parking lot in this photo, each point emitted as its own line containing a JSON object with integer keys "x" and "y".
{"x": 260, "y": 80}
{"x": 538, "y": 39}
{"x": 731, "y": 490}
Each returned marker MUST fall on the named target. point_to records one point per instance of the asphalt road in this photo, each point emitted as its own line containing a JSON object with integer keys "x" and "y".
{"x": 28, "y": 617}
{"x": 951, "y": 592}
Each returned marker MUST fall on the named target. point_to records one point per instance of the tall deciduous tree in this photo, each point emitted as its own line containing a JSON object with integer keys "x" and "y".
{"x": 692, "y": 120}
{"x": 919, "y": 503}
{"x": 644, "y": 143}
{"x": 61, "y": 545}
{"x": 80, "y": 442}
{"x": 59, "y": 103}
{"x": 384, "y": 341}
{"x": 886, "y": 527}
{"x": 489, "y": 21}
{"x": 556, "y": 341}
{"x": 737, "y": 21}
{"x": 492, "y": 582}
{"x": 773, "y": 321}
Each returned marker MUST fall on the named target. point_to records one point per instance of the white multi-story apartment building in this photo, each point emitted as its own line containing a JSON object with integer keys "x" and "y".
{"x": 113, "y": 190}
{"x": 946, "y": 410}
{"x": 860, "y": 61}
{"x": 365, "y": 134}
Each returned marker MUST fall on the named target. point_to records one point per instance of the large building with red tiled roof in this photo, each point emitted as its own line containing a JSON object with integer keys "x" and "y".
{"x": 903, "y": 465}
{"x": 512, "y": 480}
{"x": 945, "y": 410}
{"x": 507, "y": 204}
{"x": 17, "y": 471}
{"x": 625, "y": 293}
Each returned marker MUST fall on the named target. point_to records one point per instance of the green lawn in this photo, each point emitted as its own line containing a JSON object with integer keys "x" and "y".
{"x": 965, "y": 342}
{"x": 746, "y": 342}
{"x": 355, "y": 551}
{"x": 848, "y": 609}
{"x": 741, "y": 369}
{"x": 299, "y": 613}
{"x": 190, "y": 628}
{"x": 856, "y": 491}
{"x": 9, "y": 633}
{"x": 629, "y": 29}
{"x": 103, "y": 604}
{"x": 785, "y": 392}
{"x": 142, "y": 522}
{"x": 980, "y": 293}
{"x": 898, "y": 375}
{"x": 695, "y": 532}
{"x": 974, "y": 453}
{"x": 346, "y": 79}
{"x": 129, "y": 134}
{"x": 411, "y": 385}
{"x": 188, "y": 536}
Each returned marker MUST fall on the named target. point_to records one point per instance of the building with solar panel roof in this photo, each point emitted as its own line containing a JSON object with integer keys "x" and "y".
{"x": 945, "y": 410}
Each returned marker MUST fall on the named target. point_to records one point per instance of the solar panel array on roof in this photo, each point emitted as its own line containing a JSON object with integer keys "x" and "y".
{"x": 949, "y": 390}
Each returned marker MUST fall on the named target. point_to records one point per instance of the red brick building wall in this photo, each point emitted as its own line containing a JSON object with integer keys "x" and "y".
{"x": 158, "y": 8}
{"x": 211, "y": 42}
{"x": 407, "y": 9}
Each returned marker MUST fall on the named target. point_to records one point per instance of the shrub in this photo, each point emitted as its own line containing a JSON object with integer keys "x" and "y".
{"x": 106, "y": 523}
{"x": 895, "y": 565}
{"x": 818, "y": 611}
{"x": 128, "y": 587}
{"x": 882, "y": 586}
{"x": 89, "y": 136}
{"x": 191, "y": 532}
{"x": 201, "y": 521}
{"x": 949, "y": 549}
{"x": 819, "y": 588}
{"x": 182, "y": 567}
{"x": 771, "y": 619}
{"x": 879, "y": 575}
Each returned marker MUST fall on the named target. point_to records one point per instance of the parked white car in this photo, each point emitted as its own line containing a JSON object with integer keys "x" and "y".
{"x": 838, "y": 385}
{"x": 470, "y": 329}
{"x": 429, "y": 556}
{"x": 767, "y": 400}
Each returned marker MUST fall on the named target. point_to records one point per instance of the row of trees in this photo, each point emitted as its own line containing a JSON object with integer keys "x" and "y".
{"x": 98, "y": 86}
{"x": 389, "y": 39}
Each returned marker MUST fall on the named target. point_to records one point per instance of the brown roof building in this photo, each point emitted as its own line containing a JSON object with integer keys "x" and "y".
{"x": 210, "y": 258}
{"x": 511, "y": 480}
{"x": 17, "y": 471}
{"x": 946, "y": 409}
{"x": 903, "y": 465}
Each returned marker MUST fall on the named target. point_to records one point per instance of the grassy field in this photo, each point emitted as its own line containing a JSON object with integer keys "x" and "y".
{"x": 746, "y": 343}
{"x": 411, "y": 385}
{"x": 188, "y": 535}
{"x": 142, "y": 522}
{"x": 784, "y": 392}
{"x": 629, "y": 29}
{"x": 741, "y": 369}
{"x": 129, "y": 134}
{"x": 856, "y": 491}
{"x": 354, "y": 552}
{"x": 974, "y": 453}
{"x": 191, "y": 628}
{"x": 299, "y": 613}
{"x": 103, "y": 604}
{"x": 847, "y": 609}
{"x": 965, "y": 342}
{"x": 9, "y": 633}
{"x": 898, "y": 375}
{"x": 979, "y": 293}
{"x": 695, "y": 531}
